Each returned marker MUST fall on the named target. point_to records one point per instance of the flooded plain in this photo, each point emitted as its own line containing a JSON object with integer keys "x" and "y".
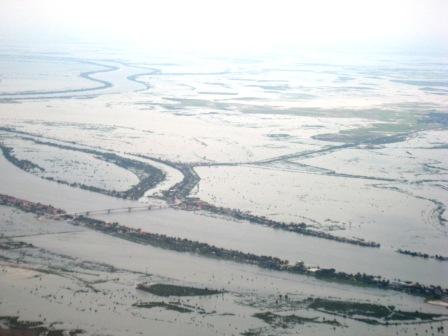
{"x": 225, "y": 155}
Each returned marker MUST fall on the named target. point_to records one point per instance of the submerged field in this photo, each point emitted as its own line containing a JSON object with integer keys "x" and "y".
{"x": 236, "y": 168}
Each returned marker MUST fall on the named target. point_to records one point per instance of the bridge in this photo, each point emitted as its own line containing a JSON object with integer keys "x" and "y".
{"x": 117, "y": 210}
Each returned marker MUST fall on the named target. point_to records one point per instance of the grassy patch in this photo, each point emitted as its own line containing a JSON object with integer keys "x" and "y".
{"x": 168, "y": 306}
{"x": 369, "y": 312}
{"x": 175, "y": 290}
{"x": 12, "y": 325}
{"x": 287, "y": 321}
{"x": 378, "y": 134}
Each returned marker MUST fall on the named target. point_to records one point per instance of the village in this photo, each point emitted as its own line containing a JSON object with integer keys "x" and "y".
{"x": 185, "y": 245}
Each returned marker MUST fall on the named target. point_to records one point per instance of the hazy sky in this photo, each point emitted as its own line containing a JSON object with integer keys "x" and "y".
{"x": 235, "y": 25}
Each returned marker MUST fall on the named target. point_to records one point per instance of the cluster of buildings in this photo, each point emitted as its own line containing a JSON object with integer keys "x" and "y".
{"x": 186, "y": 245}
{"x": 27, "y": 206}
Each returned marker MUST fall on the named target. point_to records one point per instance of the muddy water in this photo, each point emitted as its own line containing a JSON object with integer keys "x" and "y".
{"x": 224, "y": 233}
{"x": 261, "y": 240}
{"x": 18, "y": 183}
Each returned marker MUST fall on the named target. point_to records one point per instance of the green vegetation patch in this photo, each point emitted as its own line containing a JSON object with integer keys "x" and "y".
{"x": 352, "y": 308}
{"x": 175, "y": 290}
{"x": 368, "y": 312}
{"x": 252, "y": 332}
{"x": 378, "y": 134}
{"x": 287, "y": 321}
{"x": 167, "y": 306}
{"x": 12, "y": 325}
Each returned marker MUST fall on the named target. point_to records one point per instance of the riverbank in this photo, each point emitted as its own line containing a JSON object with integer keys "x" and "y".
{"x": 262, "y": 261}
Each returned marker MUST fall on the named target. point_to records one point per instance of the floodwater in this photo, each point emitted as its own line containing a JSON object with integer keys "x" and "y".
{"x": 226, "y": 233}
{"x": 116, "y": 291}
{"x": 243, "y": 236}
{"x": 293, "y": 139}
{"x": 17, "y": 183}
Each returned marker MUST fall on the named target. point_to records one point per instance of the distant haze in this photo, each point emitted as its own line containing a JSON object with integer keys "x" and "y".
{"x": 231, "y": 25}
